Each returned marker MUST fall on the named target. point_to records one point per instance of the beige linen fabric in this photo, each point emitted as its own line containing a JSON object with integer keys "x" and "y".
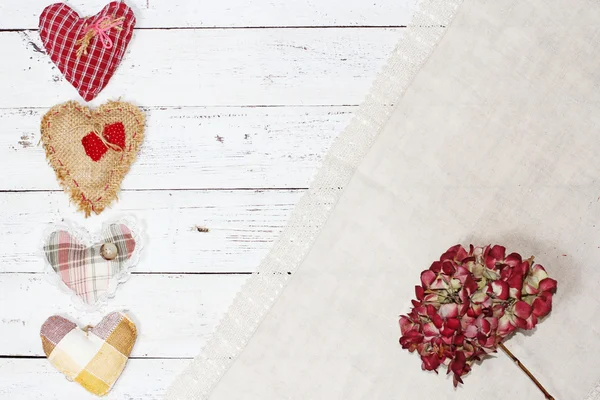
{"x": 494, "y": 142}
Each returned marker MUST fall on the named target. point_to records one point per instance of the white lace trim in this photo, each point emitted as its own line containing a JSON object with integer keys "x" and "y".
{"x": 594, "y": 394}
{"x": 87, "y": 239}
{"x": 257, "y": 296}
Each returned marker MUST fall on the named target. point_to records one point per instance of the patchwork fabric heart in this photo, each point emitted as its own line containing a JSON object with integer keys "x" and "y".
{"x": 93, "y": 357}
{"x": 92, "y": 151}
{"x": 87, "y": 50}
{"x": 91, "y": 272}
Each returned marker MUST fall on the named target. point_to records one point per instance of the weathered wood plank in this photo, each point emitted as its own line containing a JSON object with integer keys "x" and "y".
{"x": 174, "y": 73}
{"x": 36, "y": 379}
{"x": 242, "y": 224}
{"x": 175, "y": 314}
{"x": 15, "y": 14}
{"x": 213, "y": 67}
{"x": 194, "y": 147}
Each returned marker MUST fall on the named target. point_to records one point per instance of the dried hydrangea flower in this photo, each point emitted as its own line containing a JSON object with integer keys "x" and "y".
{"x": 469, "y": 302}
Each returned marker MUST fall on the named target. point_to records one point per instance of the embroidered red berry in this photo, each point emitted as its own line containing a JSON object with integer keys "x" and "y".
{"x": 93, "y": 146}
{"x": 115, "y": 134}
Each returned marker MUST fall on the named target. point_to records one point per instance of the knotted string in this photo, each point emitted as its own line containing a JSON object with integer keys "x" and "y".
{"x": 99, "y": 28}
{"x": 97, "y": 130}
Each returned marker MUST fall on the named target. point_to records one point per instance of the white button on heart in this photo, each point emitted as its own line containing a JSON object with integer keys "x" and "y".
{"x": 109, "y": 251}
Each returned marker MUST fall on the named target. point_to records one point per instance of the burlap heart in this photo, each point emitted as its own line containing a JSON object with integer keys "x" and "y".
{"x": 92, "y": 151}
{"x": 87, "y": 50}
{"x": 93, "y": 357}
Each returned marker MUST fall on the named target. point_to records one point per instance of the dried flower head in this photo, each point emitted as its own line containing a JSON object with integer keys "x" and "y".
{"x": 469, "y": 302}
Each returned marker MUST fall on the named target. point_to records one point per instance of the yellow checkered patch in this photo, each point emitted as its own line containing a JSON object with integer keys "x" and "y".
{"x": 95, "y": 357}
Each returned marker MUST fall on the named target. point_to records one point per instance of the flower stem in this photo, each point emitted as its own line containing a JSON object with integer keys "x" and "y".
{"x": 529, "y": 374}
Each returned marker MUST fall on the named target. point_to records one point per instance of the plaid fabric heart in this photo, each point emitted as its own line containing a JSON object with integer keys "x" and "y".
{"x": 83, "y": 269}
{"x": 94, "y": 358}
{"x": 87, "y": 50}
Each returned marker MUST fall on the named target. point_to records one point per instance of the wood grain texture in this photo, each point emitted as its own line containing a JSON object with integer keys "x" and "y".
{"x": 175, "y": 314}
{"x": 15, "y": 14}
{"x": 213, "y": 67}
{"x": 194, "y": 147}
{"x": 36, "y": 379}
{"x": 243, "y": 99}
{"x": 242, "y": 226}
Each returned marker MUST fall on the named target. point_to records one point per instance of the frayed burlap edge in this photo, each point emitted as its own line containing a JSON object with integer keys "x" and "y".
{"x": 62, "y": 173}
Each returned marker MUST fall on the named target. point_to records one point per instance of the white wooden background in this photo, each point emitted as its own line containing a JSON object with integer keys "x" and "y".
{"x": 243, "y": 98}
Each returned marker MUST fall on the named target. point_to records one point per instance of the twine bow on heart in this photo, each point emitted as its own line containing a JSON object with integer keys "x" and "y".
{"x": 98, "y": 130}
{"x": 88, "y": 50}
{"x": 99, "y": 28}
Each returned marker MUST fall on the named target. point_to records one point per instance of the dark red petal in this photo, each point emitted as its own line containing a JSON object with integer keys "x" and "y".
{"x": 450, "y": 254}
{"x": 411, "y": 338}
{"x": 470, "y": 284}
{"x": 515, "y": 281}
{"x": 448, "y": 268}
{"x": 520, "y": 323}
{"x": 458, "y": 363}
{"x": 548, "y": 285}
{"x": 491, "y": 256}
{"x": 461, "y": 253}
{"x": 415, "y": 336}
{"x": 542, "y": 307}
{"x": 447, "y": 332}
{"x": 454, "y": 249}
{"x": 513, "y": 259}
{"x": 453, "y": 323}
{"x": 525, "y": 267}
{"x": 430, "y": 362}
{"x": 437, "y": 320}
{"x": 481, "y": 338}
{"x": 436, "y": 267}
{"x": 522, "y": 309}
{"x": 459, "y": 340}
{"x": 427, "y": 278}
{"x": 456, "y": 379}
{"x": 420, "y": 292}
{"x": 498, "y": 252}
{"x": 431, "y": 311}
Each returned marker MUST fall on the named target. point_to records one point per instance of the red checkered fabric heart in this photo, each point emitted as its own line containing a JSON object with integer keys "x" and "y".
{"x": 106, "y": 35}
